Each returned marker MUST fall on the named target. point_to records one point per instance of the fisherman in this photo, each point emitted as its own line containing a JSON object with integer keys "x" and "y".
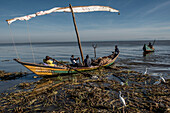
{"x": 48, "y": 61}
{"x": 144, "y": 47}
{"x": 87, "y": 61}
{"x": 116, "y": 52}
{"x": 73, "y": 61}
{"x": 150, "y": 45}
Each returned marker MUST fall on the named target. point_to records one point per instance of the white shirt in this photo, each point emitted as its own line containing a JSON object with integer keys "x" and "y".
{"x": 73, "y": 60}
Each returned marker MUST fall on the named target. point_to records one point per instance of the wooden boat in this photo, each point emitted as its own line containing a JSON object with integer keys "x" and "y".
{"x": 40, "y": 69}
{"x": 148, "y": 49}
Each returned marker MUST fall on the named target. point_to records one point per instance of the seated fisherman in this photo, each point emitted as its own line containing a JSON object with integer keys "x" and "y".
{"x": 87, "y": 61}
{"x": 73, "y": 60}
{"x": 48, "y": 61}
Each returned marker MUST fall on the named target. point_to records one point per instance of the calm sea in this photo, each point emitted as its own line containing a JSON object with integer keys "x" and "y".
{"x": 131, "y": 54}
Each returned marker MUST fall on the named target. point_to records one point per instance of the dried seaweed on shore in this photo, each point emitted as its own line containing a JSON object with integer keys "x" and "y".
{"x": 8, "y": 76}
{"x": 84, "y": 94}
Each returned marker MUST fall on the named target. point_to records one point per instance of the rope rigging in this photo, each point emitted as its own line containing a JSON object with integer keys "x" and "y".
{"x": 28, "y": 39}
{"x": 30, "y": 42}
{"x": 13, "y": 41}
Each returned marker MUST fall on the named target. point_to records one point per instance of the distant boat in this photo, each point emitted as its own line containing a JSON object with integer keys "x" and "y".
{"x": 148, "y": 49}
{"x": 40, "y": 69}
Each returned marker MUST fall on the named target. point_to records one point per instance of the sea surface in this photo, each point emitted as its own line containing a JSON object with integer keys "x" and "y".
{"x": 131, "y": 55}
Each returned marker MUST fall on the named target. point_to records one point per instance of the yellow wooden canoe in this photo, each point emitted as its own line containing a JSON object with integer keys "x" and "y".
{"x": 41, "y": 70}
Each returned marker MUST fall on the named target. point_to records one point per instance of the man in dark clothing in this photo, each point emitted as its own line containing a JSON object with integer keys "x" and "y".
{"x": 144, "y": 47}
{"x": 87, "y": 61}
{"x": 116, "y": 52}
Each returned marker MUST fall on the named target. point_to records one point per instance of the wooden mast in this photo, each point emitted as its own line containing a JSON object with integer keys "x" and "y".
{"x": 78, "y": 38}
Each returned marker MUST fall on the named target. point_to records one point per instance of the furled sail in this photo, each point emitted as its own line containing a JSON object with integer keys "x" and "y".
{"x": 76, "y": 9}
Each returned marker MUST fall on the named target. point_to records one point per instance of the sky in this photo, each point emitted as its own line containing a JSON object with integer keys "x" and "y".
{"x": 138, "y": 20}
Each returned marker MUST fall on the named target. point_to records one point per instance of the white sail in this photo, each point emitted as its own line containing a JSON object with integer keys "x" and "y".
{"x": 80, "y": 9}
{"x": 76, "y": 9}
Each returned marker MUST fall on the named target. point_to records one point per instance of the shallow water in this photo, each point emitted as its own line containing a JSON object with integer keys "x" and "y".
{"x": 8, "y": 85}
{"x": 131, "y": 55}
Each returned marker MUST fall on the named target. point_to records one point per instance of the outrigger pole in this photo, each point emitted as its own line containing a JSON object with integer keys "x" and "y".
{"x": 78, "y": 38}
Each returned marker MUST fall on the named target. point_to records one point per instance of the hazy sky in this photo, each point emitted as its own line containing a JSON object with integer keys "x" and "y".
{"x": 138, "y": 20}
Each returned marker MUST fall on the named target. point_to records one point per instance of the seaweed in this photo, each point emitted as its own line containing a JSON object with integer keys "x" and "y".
{"x": 78, "y": 93}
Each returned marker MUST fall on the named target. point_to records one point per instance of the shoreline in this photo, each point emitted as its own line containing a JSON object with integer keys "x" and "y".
{"x": 100, "y": 93}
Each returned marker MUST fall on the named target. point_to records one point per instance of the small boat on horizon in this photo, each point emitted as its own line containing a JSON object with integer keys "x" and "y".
{"x": 147, "y": 49}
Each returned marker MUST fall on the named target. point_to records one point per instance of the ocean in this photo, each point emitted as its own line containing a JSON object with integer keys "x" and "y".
{"x": 131, "y": 55}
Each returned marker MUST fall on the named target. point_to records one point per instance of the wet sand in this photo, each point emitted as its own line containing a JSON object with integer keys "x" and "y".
{"x": 99, "y": 93}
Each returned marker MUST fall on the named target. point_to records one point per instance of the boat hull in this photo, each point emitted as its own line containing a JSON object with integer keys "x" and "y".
{"x": 42, "y": 70}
